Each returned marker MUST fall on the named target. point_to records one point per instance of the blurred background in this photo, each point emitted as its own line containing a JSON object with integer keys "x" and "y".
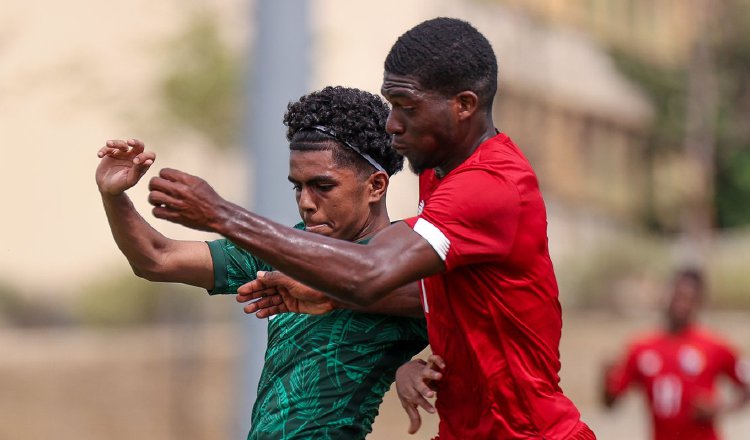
{"x": 634, "y": 114}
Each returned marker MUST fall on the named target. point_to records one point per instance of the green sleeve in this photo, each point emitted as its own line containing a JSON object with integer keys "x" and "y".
{"x": 234, "y": 266}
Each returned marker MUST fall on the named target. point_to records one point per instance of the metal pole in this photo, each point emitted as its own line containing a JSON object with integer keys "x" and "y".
{"x": 279, "y": 71}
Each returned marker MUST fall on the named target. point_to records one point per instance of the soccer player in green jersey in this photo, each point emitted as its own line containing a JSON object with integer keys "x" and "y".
{"x": 325, "y": 374}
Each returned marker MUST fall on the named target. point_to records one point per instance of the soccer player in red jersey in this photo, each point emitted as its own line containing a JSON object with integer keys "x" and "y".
{"x": 479, "y": 243}
{"x": 677, "y": 369}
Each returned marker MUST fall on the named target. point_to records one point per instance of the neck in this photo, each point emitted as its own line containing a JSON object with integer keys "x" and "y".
{"x": 377, "y": 221}
{"x": 677, "y": 327}
{"x": 475, "y": 136}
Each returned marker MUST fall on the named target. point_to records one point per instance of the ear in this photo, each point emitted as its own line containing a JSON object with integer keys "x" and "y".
{"x": 466, "y": 104}
{"x": 377, "y": 185}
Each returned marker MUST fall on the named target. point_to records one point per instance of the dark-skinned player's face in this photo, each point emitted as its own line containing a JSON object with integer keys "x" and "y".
{"x": 333, "y": 200}
{"x": 684, "y": 302}
{"x": 422, "y": 123}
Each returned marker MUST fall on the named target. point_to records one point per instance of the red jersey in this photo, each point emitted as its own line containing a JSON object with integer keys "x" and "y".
{"x": 493, "y": 314}
{"x": 677, "y": 372}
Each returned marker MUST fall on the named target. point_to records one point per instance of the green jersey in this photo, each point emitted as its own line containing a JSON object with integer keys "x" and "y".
{"x": 324, "y": 376}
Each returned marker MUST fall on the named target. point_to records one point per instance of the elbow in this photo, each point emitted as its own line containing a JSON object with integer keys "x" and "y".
{"x": 147, "y": 274}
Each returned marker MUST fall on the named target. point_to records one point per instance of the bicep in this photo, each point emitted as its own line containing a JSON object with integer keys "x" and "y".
{"x": 402, "y": 256}
{"x": 188, "y": 262}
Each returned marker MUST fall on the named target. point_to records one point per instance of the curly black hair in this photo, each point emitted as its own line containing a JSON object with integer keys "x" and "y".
{"x": 446, "y": 55}
{"x": 355, "y": 116}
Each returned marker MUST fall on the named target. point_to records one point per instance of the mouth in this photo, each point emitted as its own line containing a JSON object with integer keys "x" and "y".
{"x": 400, "y": 148}
{"x": 317, "y": 229}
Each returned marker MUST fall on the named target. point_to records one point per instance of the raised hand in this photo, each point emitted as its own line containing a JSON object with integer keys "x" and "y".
{"x": 122, "y": 165}
{"x": 415, "y": 383}
{"x": 278, "y": 293}
{"x": 185, "y": 199}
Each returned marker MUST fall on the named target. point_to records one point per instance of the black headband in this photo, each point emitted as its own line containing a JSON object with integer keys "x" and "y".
{"x": 332, "y": 133}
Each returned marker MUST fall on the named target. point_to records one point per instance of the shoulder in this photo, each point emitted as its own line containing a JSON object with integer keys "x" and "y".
{"x": 498, "y": 161}
{"x": 710, "y": 338}
{"x": 646, "y": 341}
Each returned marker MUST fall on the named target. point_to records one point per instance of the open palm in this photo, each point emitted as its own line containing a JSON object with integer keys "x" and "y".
{"x": 122, "y": 165}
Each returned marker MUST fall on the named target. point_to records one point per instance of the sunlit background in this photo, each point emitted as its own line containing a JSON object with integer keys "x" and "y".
{"x": 634, "y": 113}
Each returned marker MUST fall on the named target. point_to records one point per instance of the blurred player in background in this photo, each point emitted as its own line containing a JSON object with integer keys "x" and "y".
{"x": 678, "y": 369}
{"x": 325, "y": 371}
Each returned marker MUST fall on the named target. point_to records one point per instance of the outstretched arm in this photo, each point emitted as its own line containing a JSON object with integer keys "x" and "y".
{"x": 738, "y": 372}
{"x": 151, "y": 255}
{"x": 274, "y": 292}
{"x": 349, "y": 272}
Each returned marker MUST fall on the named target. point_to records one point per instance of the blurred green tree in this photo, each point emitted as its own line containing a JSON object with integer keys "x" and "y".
{"x": 667, "y": 89}
{"x": 203, "y": 84}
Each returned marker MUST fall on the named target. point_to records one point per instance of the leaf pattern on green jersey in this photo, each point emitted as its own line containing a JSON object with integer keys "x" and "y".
{"x": 324, "y": 376}
{"x": 303, "y": 388}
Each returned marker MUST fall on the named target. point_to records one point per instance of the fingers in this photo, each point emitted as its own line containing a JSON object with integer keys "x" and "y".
{"x": 136, "y": 146}
{"x": 145, "y": 159}
{"x": 436, "y": 361}
{"x": 116, "y": 145}
{"x": 168, "y": 214}
{"x": 264, "y": 303}
{"x": 250, "y": 288}
{"x": 132, "y": 148}
{"x": 415, "y": 420}
{"x": 270, "y": 311}
{"x": 173, "y": 175}
{"x": 265, "y": 307}
{"x": 254, "y": 290}
{"x": 265, "y": 280}
{"x": 412, "y": 388}
{"x": 423, "y": 387}
{"x": 162, "y": 200}
{"x": 168, "y": 187}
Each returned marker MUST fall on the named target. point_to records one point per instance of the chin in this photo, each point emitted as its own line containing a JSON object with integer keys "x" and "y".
{"x": 416, "y": 169}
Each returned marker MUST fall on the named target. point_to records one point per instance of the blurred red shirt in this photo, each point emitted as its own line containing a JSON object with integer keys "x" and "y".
{"x": 678, "y": 372}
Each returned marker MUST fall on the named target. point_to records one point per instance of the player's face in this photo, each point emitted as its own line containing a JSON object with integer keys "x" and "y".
{"x": 684, "y": 302}
{"x": 422, "y": 123}
{"x": 332, "y": 200}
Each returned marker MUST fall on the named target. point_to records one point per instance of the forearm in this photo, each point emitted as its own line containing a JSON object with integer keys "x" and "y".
{"x": 403, "y": 301}
{"x": 348, "y": 272}
{"x": 142, "y": 245}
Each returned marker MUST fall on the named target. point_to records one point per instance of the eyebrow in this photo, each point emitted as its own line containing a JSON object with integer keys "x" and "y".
{"x": 398, "y": 93}
{"x": 319, "y": 178}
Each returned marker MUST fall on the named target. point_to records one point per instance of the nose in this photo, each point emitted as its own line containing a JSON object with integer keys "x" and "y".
{"x": 393, "y": 125}
{"x": 305, "y": 200}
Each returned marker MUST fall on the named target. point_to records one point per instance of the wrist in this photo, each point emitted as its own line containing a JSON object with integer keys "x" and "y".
{"x": 220, "y": 221}
{"x": 112, "y": 195}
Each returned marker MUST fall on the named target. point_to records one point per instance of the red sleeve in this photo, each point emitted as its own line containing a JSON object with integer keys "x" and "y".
{"x": 470, "y": 218}
{"x": 623, "y": 374}
{"x": 731, "y": 365}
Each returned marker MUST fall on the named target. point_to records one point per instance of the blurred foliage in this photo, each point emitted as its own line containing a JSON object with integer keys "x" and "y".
{"x": 632, "y": 274}
{"x": 733, "y": 134}
{"x": 667, "y": 89}
{"x": 203, "y": 86}
{"x": 623, "y": 273}
{"x": 127, "y": 300}
{"x": 729, "y": 279}
{"x": 21, "y": 310}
